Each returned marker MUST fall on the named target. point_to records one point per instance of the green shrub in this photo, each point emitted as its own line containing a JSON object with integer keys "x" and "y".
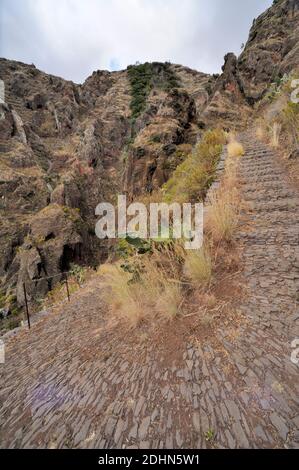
{"x": 193, "y": 177}
{"x": 78, "y": 272}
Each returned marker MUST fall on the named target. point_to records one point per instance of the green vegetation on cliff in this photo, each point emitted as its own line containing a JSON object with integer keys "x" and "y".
{"x": 145, "y": 77}
{"x": 192, "y": 178}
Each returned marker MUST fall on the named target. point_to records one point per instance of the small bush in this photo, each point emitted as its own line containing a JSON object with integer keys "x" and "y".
{"x": 78, "y": 272}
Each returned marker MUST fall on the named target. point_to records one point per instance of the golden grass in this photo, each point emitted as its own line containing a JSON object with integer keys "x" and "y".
{"x": 224, "y": 204}
{"x": 198, "y": 266}
{"x": 235, "y": 149}
{"x": 170, "y": 300}
{"x": 161, "y": 274}
{"x": 124, "y": 297}
{"x": 230, "y": 179}
{"x": 275, "y": 131}
{"x": 153, "y": 293}
{"x": 260, "y": 133}
{"x": 223, "y": 214}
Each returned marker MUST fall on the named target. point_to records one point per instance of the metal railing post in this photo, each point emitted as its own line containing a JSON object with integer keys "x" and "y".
{"x": 67, "y": 287}
{"x": 26, "y": 304}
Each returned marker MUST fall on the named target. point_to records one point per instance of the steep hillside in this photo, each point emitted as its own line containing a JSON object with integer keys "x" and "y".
{"x": 67, "y": 147}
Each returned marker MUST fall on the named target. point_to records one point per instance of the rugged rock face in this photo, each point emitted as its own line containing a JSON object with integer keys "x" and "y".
{"x": 55, "y": 239}
{"x": 66, "y": 147}
{"x": 272, "y": 48}
{"x": 63, "y": 146}
{"x": 172, "y": 124}
{"x": 227, "y": 104}
{"x": 60, "y": 144}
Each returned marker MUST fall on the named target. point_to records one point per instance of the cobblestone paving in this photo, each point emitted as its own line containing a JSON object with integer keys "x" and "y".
{"x": 65, "y": 385}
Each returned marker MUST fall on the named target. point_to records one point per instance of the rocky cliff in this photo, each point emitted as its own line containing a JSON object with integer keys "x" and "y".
{"x": 66, "y": 147}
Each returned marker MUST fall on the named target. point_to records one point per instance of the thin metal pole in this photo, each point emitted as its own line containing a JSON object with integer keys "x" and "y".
{"x": 26, "y": 303}
{"x": 67, "y": 287}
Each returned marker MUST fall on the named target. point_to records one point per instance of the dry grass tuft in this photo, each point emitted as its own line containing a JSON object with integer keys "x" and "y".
{"x": 198, "y": 266}
{"x": 223, "y": 214}
{"x": 124, "y": 296}
{"x": 170, "y": 300}
{"x": 163, "y": 294}
{"x": 235, "y": 149}
{"x": 151, "y": 292}
{"x": 275, "y": 131}
{"x": 260, "y": 133}
{"x": 230, "y": 180}
{"x": 224, "y": 205}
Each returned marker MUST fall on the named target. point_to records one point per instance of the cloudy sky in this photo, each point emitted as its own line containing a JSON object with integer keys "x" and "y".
{"x": 72, "y": 38}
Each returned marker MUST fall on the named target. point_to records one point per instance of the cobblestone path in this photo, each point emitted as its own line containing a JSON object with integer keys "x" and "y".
{"x": 65, "y": 384}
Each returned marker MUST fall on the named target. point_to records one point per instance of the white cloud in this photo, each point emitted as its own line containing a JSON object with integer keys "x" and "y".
{"x": 72, "y": 38}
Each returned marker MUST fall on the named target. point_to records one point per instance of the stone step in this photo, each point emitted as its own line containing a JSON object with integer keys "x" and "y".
{"x": 248, "y": 161}
{"x": 274, "y": 187}
{"x": 277, "y": 218}
{"x": 268, "y": 239}
{"x": 258, "y": 168}
{"x": 281, "y": 226}
{"x": 281, "y": 205}
{"x": 251, "y": 174}
{"x": 257, "y": 179}
{"x": 251, "y": 166}
{"x": 277, "y": 236}
{"x": 271, "y": 196}
{"x": 257, "y": 160}
{"x": 257, "y": 149}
